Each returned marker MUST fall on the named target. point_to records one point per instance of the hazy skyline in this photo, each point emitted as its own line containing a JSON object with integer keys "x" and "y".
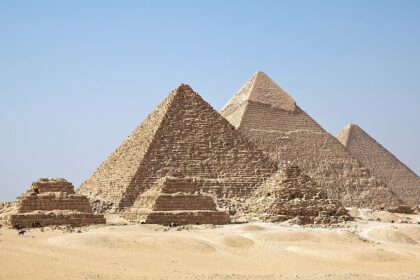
{"x": 77, "y": 77}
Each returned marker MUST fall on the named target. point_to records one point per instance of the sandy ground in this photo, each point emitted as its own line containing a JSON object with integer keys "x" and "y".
{"x": 360, "y": 250}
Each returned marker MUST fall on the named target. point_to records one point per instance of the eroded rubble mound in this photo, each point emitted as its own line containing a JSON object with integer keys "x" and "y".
{"x": 176, "y": 200}
{"x": 52, "y": 202}
{"x": 6, "y": 208}
{"x": 292, "y": 195}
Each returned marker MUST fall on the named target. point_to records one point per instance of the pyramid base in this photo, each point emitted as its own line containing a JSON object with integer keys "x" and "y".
{"x": 55, "y": 218}
{"x": 188, "y": 217}
{"x": 167, "y": 218}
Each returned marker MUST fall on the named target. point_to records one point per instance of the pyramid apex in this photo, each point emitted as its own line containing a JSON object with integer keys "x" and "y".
{"x": 260, "y": 88}
{"x": 265, "y": 90}
{"x": 259, "y": 72}
{"x": 344, "y": 136}
{"x": 183, "y": 87}
{"x": 351, "y": 127}
{"x": 182, "y": 90}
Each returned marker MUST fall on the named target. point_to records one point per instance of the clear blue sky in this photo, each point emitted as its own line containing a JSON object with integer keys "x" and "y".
{"x": 76, "y": 77}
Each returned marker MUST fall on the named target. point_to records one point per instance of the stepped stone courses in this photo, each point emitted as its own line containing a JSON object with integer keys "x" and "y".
{"x": 53, "y": 202}
{"x": 183, "y": 132}
{"x": 176, "y": 200}
{"x": 289, "y": 194}
{"x": 270, "y": 118}
{"x": 383, "y": 164}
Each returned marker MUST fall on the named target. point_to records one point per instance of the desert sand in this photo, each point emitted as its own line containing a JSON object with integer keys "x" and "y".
{"x": 363, "y": 249}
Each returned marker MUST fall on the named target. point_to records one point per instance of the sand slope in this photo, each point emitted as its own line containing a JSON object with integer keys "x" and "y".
{"x": 362, "y": 250}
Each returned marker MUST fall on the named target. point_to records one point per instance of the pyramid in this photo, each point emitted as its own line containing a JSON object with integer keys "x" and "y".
{"x": 52, "y": 202}
{"x": 290, "y": 194}
{"x": 270, "y": 118}
{"x": 187, "y": 134}
{"x": 383, "y": 164}
{"x": 176, "y": 200}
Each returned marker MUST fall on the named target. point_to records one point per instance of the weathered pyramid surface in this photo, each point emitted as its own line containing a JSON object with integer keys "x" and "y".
{"x": 290, "y": 194}
{"x": 53, "y": 202}
{"x": 260, "y": 89}
{"x": 185, "y": 133}
{"x": 176, "y": 200}
{"x": 288, "y": 134}
{"x": 383, "y": 164}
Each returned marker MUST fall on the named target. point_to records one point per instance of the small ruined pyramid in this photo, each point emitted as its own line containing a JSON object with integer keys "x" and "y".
{"x": 187, "y": 134}
{"x": 383, "y": 164}
{"x": 270, "y": 118}
{"x": 176, "y": 200}
{"x": 291, "y": 195}
{"x": 52, "y": 202}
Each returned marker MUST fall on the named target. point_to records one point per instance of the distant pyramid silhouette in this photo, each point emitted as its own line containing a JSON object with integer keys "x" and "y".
{"x": 187, "y": 134}
{"x": 383, "y": 164}
{"x": 270, "y": 118}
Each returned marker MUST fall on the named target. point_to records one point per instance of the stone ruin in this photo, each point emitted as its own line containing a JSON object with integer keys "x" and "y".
{"x": 383, "y": 164}
{"x": 270, "y": 118}
{"x": 292, "y": 195}
{"x": 183, "y": 132}
{"x": 176, "y": 200}
{"x": 52, "y": 202}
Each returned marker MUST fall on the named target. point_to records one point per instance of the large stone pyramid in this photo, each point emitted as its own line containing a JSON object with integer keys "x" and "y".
{"x": 383, "y": 164}
{"x": 270, "y": 118}
{"x": 290, "y": 194}
{"x": 184, "y": 133}
{"x": 176, "y": 200}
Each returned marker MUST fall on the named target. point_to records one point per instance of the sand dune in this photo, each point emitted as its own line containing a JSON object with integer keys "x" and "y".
{"x": 392, "y": 235}
{"x": 361, "y": 250}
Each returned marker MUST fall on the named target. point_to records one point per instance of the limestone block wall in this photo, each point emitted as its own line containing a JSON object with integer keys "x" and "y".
{"x": 44, "y": 185}
{"x": 54, "y": 201}
{"x": 295, "y": 137}
{"x": 165, "y": 204}
{"x": 266, "y": 117}
{"x": 175, "y": 202}
{"x": 171, "y": 185}
{"x": 58, "y": 218}
{"x": 191, "y": 217}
